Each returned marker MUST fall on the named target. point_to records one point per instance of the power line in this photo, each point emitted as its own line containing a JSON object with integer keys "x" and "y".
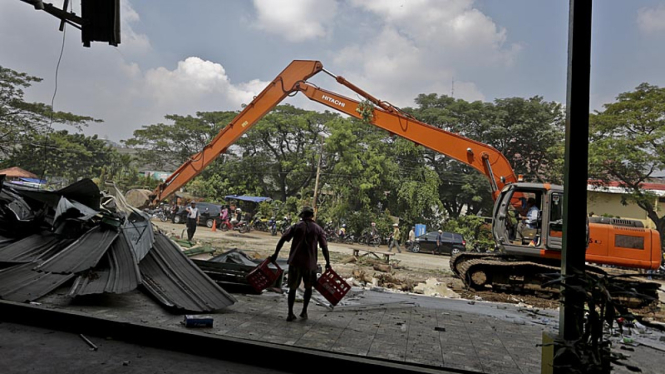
{"x": 55, "y": 91}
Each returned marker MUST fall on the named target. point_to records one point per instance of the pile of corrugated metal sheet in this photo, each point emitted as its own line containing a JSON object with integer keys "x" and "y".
{"x": 99, "y": 244}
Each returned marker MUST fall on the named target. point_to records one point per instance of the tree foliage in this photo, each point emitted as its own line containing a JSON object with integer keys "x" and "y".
{"x": 366, "y": 175}
{"x": 68, "y": 157}
{"x": 27, "y": 138}
{"x": 628, "y": 145}
{"x": 168, "y": 145}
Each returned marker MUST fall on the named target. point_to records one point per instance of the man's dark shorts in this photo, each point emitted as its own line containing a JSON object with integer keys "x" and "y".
{"x": 299, "y": 274}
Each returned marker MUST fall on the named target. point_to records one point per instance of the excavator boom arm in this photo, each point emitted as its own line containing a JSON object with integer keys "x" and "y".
{"x": 272, "y": 95}
{"x": 482, "y": 157}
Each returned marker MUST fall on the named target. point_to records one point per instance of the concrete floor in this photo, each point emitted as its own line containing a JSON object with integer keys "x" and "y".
{"x": 26, "y": 349}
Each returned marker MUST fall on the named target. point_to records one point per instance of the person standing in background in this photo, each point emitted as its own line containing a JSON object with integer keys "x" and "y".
{"x": 192, "y": 220}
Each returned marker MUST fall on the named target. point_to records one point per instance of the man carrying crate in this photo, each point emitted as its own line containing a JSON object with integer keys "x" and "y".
{"x": 306, "y": 234}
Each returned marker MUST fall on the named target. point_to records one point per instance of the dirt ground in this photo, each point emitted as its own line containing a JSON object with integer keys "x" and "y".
{"x": 407, "y": 272}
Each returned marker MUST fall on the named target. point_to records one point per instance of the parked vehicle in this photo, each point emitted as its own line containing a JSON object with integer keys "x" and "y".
{"x": 272, "y": 225}
{"x": 242, "y": 227}
{"x": 284, "y": 224}
{"x": 159, "y": 214}
{"x": 259, "y": 224}
{"x": 450, "y": 244}
{"x": 208, "y": 213}
{"x": 368, "y": 239}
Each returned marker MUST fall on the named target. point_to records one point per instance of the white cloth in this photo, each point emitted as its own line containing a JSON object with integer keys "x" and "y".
{"x": 192, "y": 212}
{"x": 532, "y": 217}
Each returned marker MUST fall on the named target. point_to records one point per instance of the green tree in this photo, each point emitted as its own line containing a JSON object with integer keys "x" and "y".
{"x": 527, "y": 132}
{"x": 460, "y": 186}
{"x": 21, "y": 122}
{"x": 281, "y": 151}
{"x": 169, "y": 145}
{"x": 627, "y": 144}
{"x": 69, "y": 157}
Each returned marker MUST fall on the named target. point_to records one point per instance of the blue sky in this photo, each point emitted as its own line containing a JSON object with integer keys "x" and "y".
{"x": 202, "y": 55}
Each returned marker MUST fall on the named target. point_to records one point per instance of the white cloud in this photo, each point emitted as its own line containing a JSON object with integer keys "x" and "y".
{"x": 422, "y": 46}
{"x": 651, "y": 20}
{"x": 129, "y": 39}
{"x": 296, "y": 20}
{"x": 196, "y": 85}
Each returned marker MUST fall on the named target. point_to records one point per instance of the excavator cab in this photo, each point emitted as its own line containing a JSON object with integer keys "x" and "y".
{"x": 511, "y": 232}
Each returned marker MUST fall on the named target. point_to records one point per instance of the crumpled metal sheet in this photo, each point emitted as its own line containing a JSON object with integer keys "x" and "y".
{"x": 73, "y": 209}
{"x": 177, "y": 283}
{"x": 139, "y": 233}
{"x": 33, "y": 248}
{"x": 4, "y": 241}
{"x": 20, "y": 283}
{"x": 235, "y": 256}
{"x": 84, "y": 191}
{"x": 15, "y": 204}
{"x": 81, "y": 255}
{"x": 117, "y": 273}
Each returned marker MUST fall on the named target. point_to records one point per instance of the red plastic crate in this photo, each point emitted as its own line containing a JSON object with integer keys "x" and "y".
{"x": 262, "y": 276}
{"x": 332, "y": 286}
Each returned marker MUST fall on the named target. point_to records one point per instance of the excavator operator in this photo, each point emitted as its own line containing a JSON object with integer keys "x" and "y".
{"x": 529, "y": 219}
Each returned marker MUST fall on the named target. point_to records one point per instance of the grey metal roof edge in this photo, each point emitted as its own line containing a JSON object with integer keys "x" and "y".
{"x": 69, "y": 259}
{"x": 170, "y": 276}
{"x": 119, "y": 275}
{"x": 20, "y": 283}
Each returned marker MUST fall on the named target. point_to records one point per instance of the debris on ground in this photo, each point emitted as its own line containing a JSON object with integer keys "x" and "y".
{"x": 349, "y": 260}
{"x": 362, "y": 277}
{"x": 392, "y": 282}
{"x": 432, "y": 287}
{"x": 382, "y": 268}
{"x": 197, "y": 321}
{"x": 99, "y": 244}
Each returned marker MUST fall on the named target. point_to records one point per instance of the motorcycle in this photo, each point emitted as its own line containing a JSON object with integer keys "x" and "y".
{"x": 368, "y": 239}
{"x": 159, "y": 214}
{"x": 348, "y": 239}
{"x": 272, "y": 225}
{"x": 242, "y": 227}
{"x": 259, "y": 224}
{"x": 286, "y": 223}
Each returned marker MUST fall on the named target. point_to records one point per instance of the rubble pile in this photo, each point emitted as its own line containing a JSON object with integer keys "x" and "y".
{"x": 97, "y": 243}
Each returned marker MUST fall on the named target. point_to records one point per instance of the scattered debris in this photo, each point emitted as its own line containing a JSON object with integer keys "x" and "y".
{"x": 197, "y": 321}
{"x": 440, "y": 328}
{"x": 99, "y": 240}
{"x": 396, "y": 304}
{"x": 349, "y": 260}
{"x": 93, "y": 347}
{"x": 382, "y": 267}
{"x": 432, "y": 287}
{"x": 392, "y": 282}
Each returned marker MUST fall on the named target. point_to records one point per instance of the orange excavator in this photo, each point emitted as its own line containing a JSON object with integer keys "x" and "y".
{"x": 515, "y": 263}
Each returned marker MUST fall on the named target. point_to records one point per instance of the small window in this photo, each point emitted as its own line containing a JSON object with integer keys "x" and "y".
{"x": 448, "y": 235}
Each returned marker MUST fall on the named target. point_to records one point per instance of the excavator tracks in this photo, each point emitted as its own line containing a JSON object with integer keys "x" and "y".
{"x": 500, "y": 272}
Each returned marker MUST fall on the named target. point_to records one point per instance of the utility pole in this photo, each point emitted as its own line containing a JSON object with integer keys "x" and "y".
{"x": 316, "y": 184}
{"x": 571, "y": 312}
